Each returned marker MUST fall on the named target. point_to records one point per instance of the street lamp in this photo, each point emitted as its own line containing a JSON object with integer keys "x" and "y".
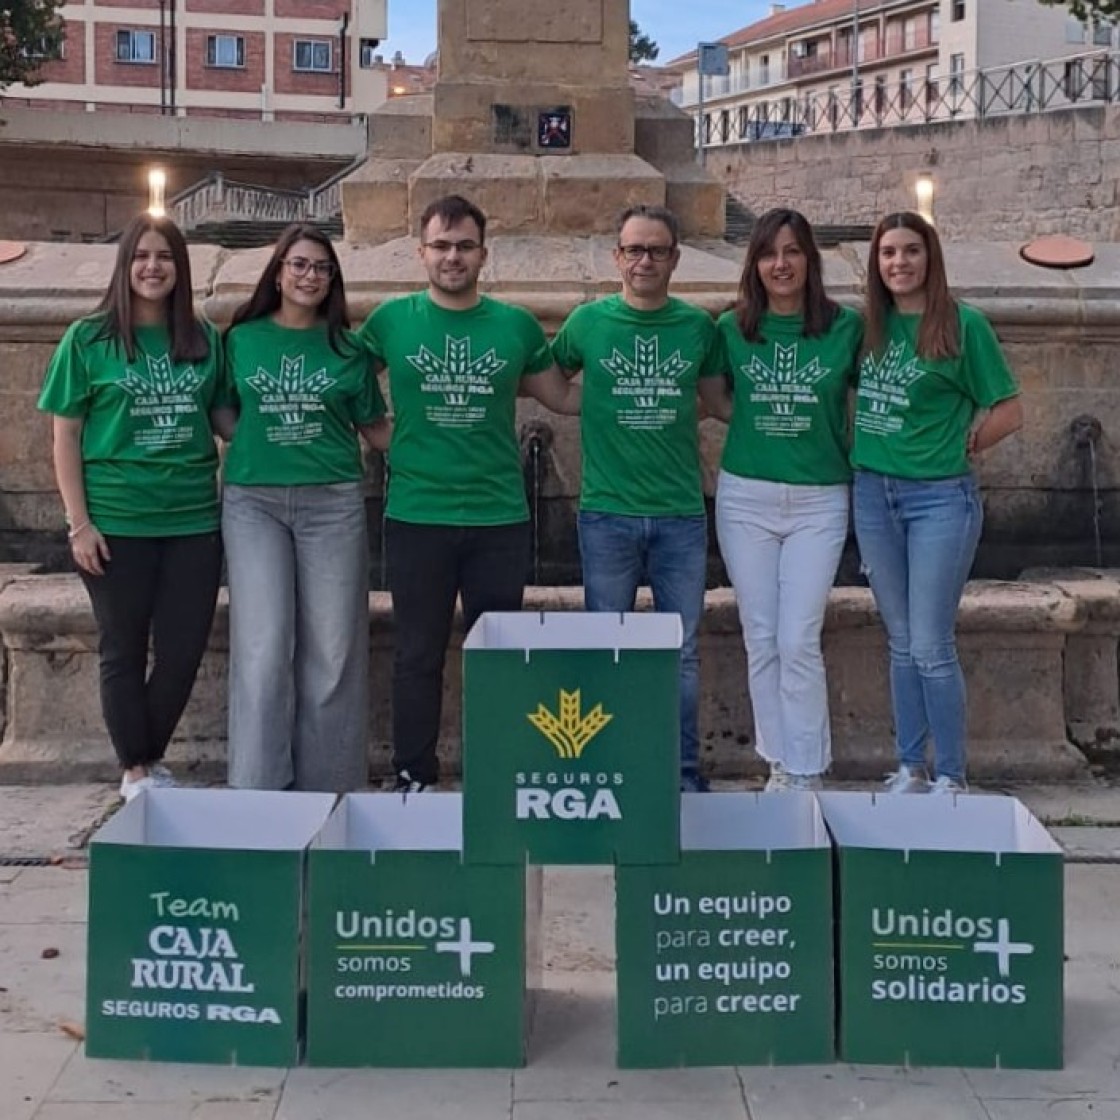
{"x": 157, "y": 188}
{"x": 923, "y": 193}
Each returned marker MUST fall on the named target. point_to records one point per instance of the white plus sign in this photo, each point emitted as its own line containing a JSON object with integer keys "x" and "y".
{"x": 1003, "y": 947}
{"x": 465, "y": 947}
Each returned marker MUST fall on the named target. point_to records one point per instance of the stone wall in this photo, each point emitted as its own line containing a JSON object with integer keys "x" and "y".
{"x": 1039, "y": 657}
{"x": 1003, "y": 179}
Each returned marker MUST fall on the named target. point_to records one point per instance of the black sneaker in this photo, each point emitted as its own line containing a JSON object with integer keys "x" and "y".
{"x": 406, "y": 784}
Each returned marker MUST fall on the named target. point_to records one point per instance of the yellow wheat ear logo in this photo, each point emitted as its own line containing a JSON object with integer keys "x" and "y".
{"x": 570, "y": 732}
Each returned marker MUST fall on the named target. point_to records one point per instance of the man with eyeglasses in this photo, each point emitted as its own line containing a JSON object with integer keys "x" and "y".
{"x": 641, "y": 515}
{"x": 457, "y": 522}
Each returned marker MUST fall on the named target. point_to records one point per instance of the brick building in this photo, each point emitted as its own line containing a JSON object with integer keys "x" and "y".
{"x": 836, "y": 64}
{"x": 257, "y": 59}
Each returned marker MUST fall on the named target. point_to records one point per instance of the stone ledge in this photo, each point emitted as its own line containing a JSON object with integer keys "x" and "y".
{"x": 1030, "y": 652}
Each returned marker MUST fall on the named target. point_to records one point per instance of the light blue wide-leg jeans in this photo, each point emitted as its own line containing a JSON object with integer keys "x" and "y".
{"x": 917, "y": 541}
{"x": 298, "y": 561}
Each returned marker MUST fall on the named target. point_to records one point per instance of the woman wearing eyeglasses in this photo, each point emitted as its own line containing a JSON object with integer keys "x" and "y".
{"x": 782, "y": 497}
{"x": 299, "y": 390}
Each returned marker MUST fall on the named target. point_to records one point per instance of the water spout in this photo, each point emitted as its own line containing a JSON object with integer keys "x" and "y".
{"x": 1086, "y": 432}
{"x": 536, "y": 439}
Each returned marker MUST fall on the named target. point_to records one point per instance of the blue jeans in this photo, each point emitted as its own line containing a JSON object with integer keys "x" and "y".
{"x": 670, "y": 554}
{"x": 298, "y": 564}
{"x": 917, "y": 541}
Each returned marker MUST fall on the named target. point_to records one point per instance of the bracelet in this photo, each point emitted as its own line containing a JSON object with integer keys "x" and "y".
{"x": 87, "y": 524}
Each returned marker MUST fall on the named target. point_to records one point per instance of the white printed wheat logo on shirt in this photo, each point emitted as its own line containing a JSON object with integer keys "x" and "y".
{"x": 457, "y": 376}
{"x": 782, "y": 387}
{"x": 291, "y": 393}
{"x": 647, "y": 380}
{"x": 884, "y": 387}
{"x": 163, "y": 396}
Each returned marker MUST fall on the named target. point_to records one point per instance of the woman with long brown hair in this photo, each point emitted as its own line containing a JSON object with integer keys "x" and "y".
{"x": 934, "y": 391}
{"x": 299, "y": 389}
{"x": 130, "y": 389}
{"x": 782, "y": 496}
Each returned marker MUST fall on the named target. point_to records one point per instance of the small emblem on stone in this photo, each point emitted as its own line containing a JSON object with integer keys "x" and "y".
{"x": 554, "y": 128}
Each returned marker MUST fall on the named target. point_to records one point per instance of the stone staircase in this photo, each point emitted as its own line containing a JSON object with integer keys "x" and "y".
{"x": 249, "y": 233}
{"x": 740, "y": 223}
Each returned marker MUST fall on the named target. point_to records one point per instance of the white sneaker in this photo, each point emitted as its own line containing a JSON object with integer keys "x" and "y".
{"x": 161, "y": 777}
{"x": 945, "y": 784}
{"x": 133, "y": 787}
{"x": 905, "y": 780}
{"x": 778, "y": 779}
{"x": 804, "y": 783}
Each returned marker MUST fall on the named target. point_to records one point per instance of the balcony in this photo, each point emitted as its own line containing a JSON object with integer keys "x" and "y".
{"x": 897, "y": 44}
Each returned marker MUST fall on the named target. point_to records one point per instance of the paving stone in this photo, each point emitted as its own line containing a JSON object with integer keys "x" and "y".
{"x": 40, "y": 994}
{"x": 29, "y": 1065}
{"x": 427, "y": 1094}
{"x": 45, "y": 894}
{"x": 860, "y": 1093}
{"x": 629, "y": 1110}
{"x": 53, "y": 820}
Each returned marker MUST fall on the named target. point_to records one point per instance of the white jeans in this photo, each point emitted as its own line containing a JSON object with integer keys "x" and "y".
{"x": 781, "y": 544}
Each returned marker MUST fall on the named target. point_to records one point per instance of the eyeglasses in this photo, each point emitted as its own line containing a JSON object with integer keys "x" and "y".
{"x": 444, "y": 247}
{"x": 301, "y": 266}
{"x": 635, "y": 253}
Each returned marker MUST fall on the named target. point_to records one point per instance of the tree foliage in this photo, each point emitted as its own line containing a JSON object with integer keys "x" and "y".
{"x": 30, "y": 34}
{"x": 1100, "y": 11}
{"x": 642, "y": 47}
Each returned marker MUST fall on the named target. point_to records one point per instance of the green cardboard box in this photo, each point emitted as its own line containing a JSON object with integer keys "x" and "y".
{"x": 413, "y": 958}
{"x": 571, "y": 738}
{"x": 193, "y": 951}
{"x": 726, "y": 957}
{"x": 950, "y": 931}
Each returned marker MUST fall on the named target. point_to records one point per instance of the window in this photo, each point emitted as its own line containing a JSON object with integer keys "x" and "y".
{"x": 225, "y": 51}
{"x": 1102, "y": 34}
{"x": 764, "y": 70}
{"x": 956, "y": 73}
{"x": 905, "y": 89}
{"x": 313, "y": 54}
{"x": 367, "y": 53}
{"x": 935, "y": 26}
{"x": 880, "y": 95}
{"x": 910, "y": 35}
{"x": 931, "y": 85}
{"x": 957, "y": 12}
{"x": 136, "y": 46}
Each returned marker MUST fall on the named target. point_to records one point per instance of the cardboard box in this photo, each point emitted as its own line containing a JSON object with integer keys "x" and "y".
{"x": 413, "y": 958}
{"x": 726, "y": 958}
{"x": 950, "y": 931}
{"x": 195, "y": 899}
{"x": 571, "y": 736}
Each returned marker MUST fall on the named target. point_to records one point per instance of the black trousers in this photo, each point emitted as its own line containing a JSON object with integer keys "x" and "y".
{"x": 429, "y": 566}
{"x": 157, "y": 591}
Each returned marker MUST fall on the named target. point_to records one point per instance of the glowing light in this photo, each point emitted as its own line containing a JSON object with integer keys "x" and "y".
{"x": 157, "y": 188}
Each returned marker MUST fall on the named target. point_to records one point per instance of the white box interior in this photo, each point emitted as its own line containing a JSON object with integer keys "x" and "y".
{"x": 250, "y": 820}
{"x": 531, "y": 630}
{"x": 751, "y": 822}
{"x": 371, "y": 822}
{"x": 976, "y": 823}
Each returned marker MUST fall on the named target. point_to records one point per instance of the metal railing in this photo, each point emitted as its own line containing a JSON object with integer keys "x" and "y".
{"x": 217, "y": 198}
{"x": 1025, "y": 87}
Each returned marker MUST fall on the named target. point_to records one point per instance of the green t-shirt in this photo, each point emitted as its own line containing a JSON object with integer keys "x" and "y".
{"x": 148, "y": 457}
{"x": 298, "y": 402}
{"x": 790, "y": 417}
{"x": 913, "y": 414}
{"x": 453, "y": 380}
{"x": 641, "y": 446}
